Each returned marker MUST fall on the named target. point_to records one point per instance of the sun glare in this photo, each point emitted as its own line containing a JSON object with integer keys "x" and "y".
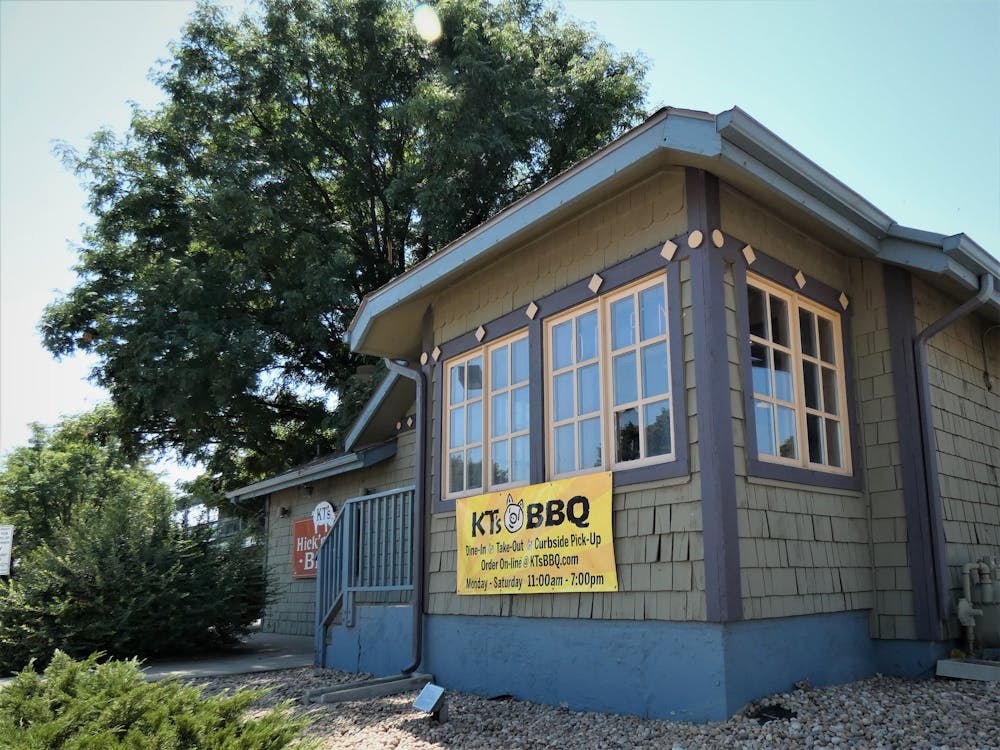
{"x": 428, "y": 25}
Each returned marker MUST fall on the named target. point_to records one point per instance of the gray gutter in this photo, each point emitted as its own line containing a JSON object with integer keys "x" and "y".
{"x": 419, "y": 509}
{"x": 739, "y": 147}
{"x": 315, "y": 471}
{"x": 925, "y": 417}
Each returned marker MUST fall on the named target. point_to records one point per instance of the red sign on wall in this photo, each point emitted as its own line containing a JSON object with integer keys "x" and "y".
{"x": 305, "y": 544}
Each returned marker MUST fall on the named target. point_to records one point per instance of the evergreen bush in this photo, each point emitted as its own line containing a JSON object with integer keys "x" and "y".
{"x": 82, "y": 705}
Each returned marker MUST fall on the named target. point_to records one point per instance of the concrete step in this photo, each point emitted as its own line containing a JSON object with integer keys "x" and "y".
{"x": 367, "y": 689}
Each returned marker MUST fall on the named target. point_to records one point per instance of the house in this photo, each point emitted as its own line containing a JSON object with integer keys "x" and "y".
{"x": 694, "y": 421}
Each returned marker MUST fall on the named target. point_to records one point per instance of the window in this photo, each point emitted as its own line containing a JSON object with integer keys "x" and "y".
{"x": 622, "y": 341}
{"x": 796, "y": 355}
{"x": 487, "y": 419}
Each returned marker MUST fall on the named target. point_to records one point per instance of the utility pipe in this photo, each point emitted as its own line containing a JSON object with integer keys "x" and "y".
{"x": 928, "y": 444}
{"x": 967, "y": 614}
{"x": 403, "y": 368}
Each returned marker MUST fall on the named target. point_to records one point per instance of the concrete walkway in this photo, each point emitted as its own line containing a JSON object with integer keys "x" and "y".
{"x": 259, "y": 652}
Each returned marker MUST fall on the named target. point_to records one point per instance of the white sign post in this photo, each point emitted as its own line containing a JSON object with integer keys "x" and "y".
{"x": 6, "y": 545}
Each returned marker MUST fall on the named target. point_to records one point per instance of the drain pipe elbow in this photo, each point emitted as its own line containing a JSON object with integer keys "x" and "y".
{"x": 419, "y": 507}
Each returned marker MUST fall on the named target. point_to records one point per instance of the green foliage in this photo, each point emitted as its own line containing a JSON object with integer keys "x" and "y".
{"x": 83, "y": 705}
{"x": 302, "y": 157}
{"x": 102, "y": 565}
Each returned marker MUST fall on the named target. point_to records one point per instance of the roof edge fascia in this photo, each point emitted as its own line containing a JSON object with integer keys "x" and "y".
{"x": 742, "y": 130}
{"x": 335, "y": 466}
{"x": 370, "y": 410}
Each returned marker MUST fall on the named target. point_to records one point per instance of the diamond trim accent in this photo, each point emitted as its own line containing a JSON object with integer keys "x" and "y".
{"x": 399, "y": 425}
{"x": 695, "y": 239}
{"x": 595, "y": 283}
{"x": 409, "y": 421}
{"x": 718, "y": 239}
{"x": 800, "y": 279}
{"x": 436, "y": 353}
{"x": 668, "y": 251}
{"x": 480, "y": 333}
{"x": 749, "y": 254}
{"x": 531, "y": 311}
{"x": 423, "y": 358}
{"x": 844, "y": 301}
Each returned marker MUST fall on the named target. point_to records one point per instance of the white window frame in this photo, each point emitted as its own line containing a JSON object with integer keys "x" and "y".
{"x": 485, "y": 441}
{"x": 798, "y": 403}
{"x": 604, "y": 359}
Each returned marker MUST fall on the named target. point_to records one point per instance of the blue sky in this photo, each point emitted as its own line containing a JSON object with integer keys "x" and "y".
{"x": 899, "y": 100}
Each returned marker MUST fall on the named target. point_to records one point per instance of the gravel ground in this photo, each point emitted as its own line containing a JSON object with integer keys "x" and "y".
{"x": 880, "y": 712}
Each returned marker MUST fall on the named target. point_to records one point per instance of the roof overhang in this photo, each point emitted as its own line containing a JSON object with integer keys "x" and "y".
{"x": 732, "y": 145}
{"x": 377, "y": 420}
{"x": 323, "y": 468}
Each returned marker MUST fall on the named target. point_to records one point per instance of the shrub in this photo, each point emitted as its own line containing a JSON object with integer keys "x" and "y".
{"x": 127, "y": 581}
{"x": 83, "y": 704}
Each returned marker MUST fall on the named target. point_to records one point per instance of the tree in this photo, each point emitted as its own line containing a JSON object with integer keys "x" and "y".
{"x": 302, "y": 158}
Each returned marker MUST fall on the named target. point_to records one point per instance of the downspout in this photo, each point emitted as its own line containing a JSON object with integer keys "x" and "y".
{"x": 925, "y": 417}
{"x": 419, "y": 507}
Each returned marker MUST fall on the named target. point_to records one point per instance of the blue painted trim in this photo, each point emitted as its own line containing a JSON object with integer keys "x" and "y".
{"x": 902, "y": 330}
{"x": 378, "y": 643}
{"x": 536, "y": 390}
{"x": 686, "y": 671}
{"x": 717, "y": 465}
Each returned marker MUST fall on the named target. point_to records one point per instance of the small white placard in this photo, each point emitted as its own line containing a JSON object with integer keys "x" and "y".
{"x": 323, "y": 516}
{"x": 6, "y": 545}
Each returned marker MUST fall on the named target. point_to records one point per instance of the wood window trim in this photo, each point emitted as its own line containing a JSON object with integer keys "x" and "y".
{"x": 485, "y": 439}
{"x": 628, "y": 469}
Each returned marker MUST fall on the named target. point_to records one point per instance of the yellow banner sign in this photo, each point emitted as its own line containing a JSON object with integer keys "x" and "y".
{"x": 546, "y": 538}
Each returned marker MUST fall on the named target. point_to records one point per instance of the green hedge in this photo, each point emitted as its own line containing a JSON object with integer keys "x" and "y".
{"x": 83, "y": 705}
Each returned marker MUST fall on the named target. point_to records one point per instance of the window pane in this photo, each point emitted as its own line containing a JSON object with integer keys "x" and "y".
{"x": 783, "y": 376}
{"x": 760, "y": 360}
{"x": 779, "y": 321}
{"x": 519, "y": 361}
{"x": 520, "y": 409}
{"x": 830, "y": 403}
{"x": 562, "y": 386}
{"x": 810, "y": 377}
{"x": 456, "y": 427}
{"x": 500, "y": 415}
{"x": 624, "y": 378}
{"x": 787, "y": 438}
{"x": 500, "y": 453}
{"x": 657, "y": 426}
{"x": 498, "y": 368}
{"x": 627, "y": 435}
{"x": 814, "y": 426}
{"x": 589, "y": 389}
{"x": 474, "y": 380}
{"x": 826, "y": 352}
{"x": 456, "y": 472}
{"x": 652, "y": 313}
{"x": 521, "y": 459}
{"x": 562, "y": 345}
{"x": 622, "y": 323}
{"x": 586, "y": 337}
{"x": 457, "y": 388}
{"x": 756, "y": 312}
{"x": 834, "y": 451}
{"x": 590, "y": 443}
{"x": 655, "y": 372}
{"x": 764, "y": 419}
{"x": 474, "y": 431}
{"x": 565, "y": 449}
{"x": 807, "y": 332}
{"x": 475, "y": 463}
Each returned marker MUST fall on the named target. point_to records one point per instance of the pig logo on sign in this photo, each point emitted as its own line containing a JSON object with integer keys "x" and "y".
{"x": 513, "y": 515}
{"x": 323, "y": 517}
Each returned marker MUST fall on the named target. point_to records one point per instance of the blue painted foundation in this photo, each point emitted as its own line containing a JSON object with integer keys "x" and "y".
{"x": 684, "y": 671}
{"x": 380, "y": 642}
